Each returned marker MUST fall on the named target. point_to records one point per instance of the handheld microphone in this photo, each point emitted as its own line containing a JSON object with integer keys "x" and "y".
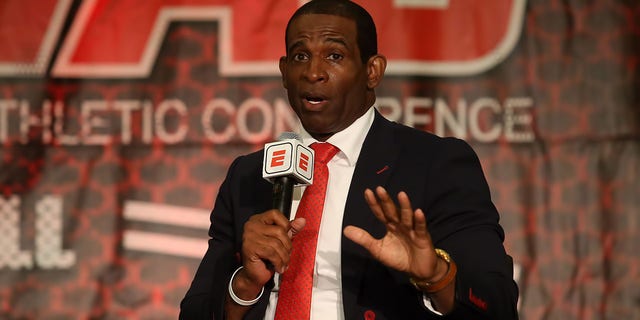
{"x": 287, "y": 162}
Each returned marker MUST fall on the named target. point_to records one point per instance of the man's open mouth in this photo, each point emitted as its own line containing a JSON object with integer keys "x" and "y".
{"x": 314, "y": 100}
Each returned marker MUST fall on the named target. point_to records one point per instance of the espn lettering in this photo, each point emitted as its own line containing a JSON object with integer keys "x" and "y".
{"x": 122, "y": 38}
{"x": 280, "y": 157}
{"x": 303, "y": 164}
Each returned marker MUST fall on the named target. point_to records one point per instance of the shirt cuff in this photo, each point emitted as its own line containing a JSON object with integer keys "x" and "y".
{"x": 428, "y": 305}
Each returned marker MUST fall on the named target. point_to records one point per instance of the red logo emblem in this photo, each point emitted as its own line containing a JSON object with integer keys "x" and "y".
{"x": 277, "y": 158}
{"x": 304, "y": 162}
{"x": 477, "y": 300}
{"x": 122, "y": 38}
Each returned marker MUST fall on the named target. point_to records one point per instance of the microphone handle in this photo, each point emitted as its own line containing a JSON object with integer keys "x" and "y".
{"x": 283, "y": 195}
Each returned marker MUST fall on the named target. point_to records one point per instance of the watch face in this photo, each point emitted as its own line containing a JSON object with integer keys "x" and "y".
{"x": 430, "y": 287}
{"x": 443, "y": 254}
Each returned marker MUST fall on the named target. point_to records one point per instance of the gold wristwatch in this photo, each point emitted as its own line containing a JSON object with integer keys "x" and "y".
{"x": 433, "y": 287}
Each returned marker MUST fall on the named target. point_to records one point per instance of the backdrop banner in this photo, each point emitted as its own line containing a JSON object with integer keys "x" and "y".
{"x": 119, "y": 119}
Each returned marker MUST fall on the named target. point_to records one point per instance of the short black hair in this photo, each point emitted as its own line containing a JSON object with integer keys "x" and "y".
{"x": 366, "y": 37}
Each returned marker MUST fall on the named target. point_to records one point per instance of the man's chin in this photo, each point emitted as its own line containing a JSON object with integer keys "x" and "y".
{"x": 320, "y": 135}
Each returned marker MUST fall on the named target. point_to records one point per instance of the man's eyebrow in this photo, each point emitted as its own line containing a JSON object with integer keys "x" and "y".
{"x": 337, "y": 40}
{"x": 294, "y": 45}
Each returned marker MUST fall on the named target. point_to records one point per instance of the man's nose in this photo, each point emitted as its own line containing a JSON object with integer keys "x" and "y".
{"x": 315, "y": 70}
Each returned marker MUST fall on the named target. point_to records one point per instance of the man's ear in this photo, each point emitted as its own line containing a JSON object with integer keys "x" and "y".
{"x": 376, "y": 65}
{"x": 283, "y": 69}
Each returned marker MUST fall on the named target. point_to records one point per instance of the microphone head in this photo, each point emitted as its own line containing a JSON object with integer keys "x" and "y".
{"x": 288, "y": 157}
{"x": 289, "y": 135}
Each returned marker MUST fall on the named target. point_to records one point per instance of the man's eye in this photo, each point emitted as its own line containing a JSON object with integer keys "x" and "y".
{"x": 299, "y": 57}
{"x": 335, "y": 56}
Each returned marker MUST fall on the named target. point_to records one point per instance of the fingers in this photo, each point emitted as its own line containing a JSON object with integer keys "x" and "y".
{"x": 360, "y": 237}
{"x": 388, "y": 206}
{"x": 266, "y": 248}
{"x": 407, "y": 245}
{"x": 272, "y": 217}
{"x": 266, "y": 243}
{"x": 420, "y": 223}
{"x": 406, "y": 212}
{"x": 385, "y": 209}
{"x": 372, "y": 201}
{"x": 296, "y": 225}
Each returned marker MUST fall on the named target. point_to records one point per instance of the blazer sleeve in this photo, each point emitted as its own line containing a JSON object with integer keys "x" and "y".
{"x": 463, "y": 221}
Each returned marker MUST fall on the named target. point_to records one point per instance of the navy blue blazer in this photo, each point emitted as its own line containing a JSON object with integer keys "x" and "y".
{"x": 442, "y": 176}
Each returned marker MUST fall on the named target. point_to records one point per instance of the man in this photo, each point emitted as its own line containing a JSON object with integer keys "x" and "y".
{"x": 375, "y": 258}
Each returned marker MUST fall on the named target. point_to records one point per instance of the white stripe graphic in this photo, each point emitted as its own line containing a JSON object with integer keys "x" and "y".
{"x": 166, "y": 214}
{"x": 164, "y": 244}
{"x": 154, "y": 242}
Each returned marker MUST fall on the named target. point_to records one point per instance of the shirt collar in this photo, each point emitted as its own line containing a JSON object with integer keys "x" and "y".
{"x": 349, "y": 140}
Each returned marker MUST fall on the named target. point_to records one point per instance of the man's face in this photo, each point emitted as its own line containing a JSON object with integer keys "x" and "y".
{"x": 325, "y": 78}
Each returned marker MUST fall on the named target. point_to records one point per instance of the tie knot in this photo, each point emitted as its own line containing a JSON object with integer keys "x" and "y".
{"x": 324, "y": 151}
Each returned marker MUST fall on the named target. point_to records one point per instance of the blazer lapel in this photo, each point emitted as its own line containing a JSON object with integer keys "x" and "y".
{"x": 374, "y": 167}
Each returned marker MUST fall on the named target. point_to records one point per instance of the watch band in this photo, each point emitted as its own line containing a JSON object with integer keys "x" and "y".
{"x": 433, "y": 287}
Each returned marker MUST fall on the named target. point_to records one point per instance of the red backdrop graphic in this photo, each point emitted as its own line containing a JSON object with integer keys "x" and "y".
{"x": 118, "y": 120}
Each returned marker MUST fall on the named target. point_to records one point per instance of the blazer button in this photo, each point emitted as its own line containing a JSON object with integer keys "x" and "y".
{"x": 369, "y": 315}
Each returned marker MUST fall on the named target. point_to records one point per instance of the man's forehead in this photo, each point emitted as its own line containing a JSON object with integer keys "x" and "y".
{"x": 323, "y": 25}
